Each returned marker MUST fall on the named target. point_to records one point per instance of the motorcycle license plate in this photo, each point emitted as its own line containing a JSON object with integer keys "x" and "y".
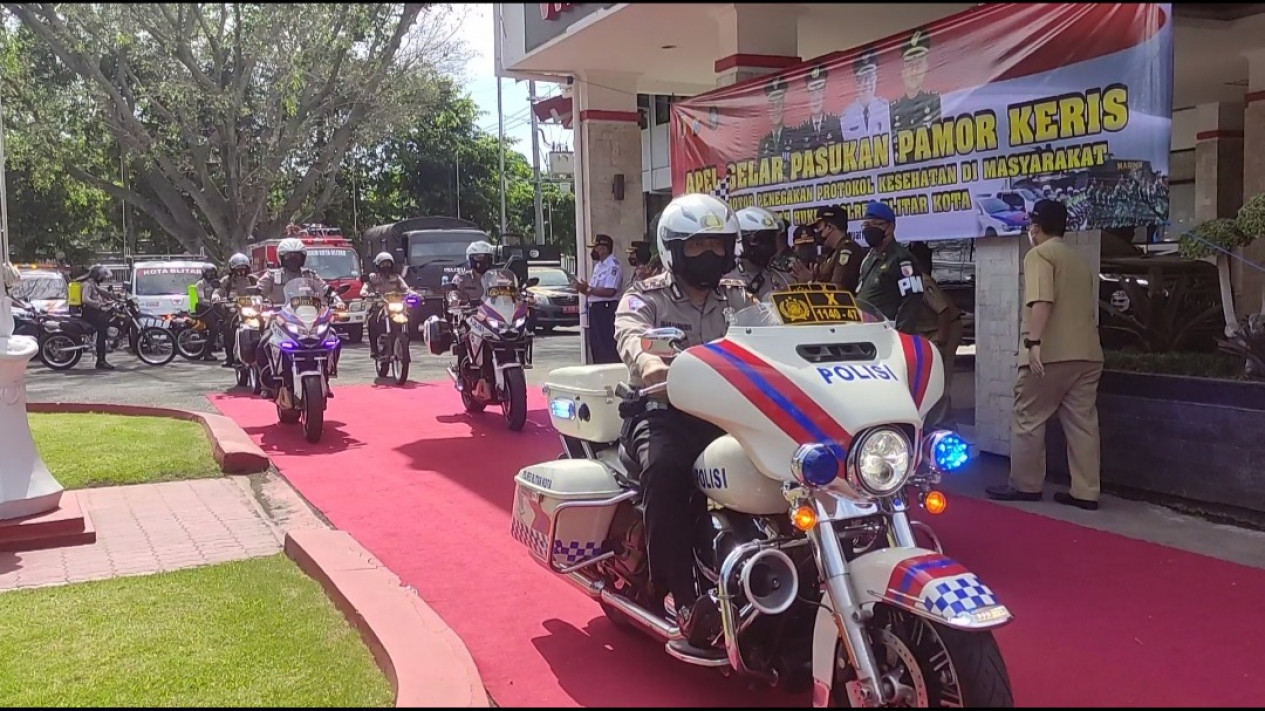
{"x": 570, "y": 309}
{"x": 816, "y": 307}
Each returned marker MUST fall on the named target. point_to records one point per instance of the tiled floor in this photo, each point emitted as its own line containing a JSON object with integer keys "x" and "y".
{"x": 150, "y": 528}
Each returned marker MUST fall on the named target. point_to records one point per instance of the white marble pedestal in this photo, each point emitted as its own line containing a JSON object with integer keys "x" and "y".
{"x": 26, "y": 486}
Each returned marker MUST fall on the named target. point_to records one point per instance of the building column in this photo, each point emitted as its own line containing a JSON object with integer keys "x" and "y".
{"x": 608, "y": 191}
{"x": 1249, "y": 283}
{"x": 755, "y": 40}
{"x": 1218, "y": 160}
{"x": 999, "y": 285}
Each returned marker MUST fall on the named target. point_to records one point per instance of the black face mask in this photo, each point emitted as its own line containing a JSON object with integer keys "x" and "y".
{"x": 480, "y": 265}
{"x": 632, "y": 262}
{"x": 806, "y": 254}
{"x": 873, "y": 236}
{"x": 595, "y": 255}
{"x": 293, "y": 263}
{"x": 705, "y": 270}
{"x": 759, "y": 253}
{"x": 387, "y": 269}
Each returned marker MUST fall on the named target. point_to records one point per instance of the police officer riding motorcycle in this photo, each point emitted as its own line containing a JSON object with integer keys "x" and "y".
{"x": 383, "y": 281}
{"x": 697, "y": 237}
{"x": 98, "y": 307}
{"x": 292, "y": 255}
{"x": 239, "y": 282}
{"x": 761, "y": 232}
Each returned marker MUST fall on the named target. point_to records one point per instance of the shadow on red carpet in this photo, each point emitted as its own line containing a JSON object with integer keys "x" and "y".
{"x": 1100, "y": 619}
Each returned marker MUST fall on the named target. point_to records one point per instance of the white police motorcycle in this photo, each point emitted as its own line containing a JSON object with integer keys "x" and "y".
{"x": 302, "y": 352}
{"x": 807, "y": 546}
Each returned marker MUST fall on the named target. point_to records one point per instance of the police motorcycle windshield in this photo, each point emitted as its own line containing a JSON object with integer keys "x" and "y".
{"x": 306, "y": 312}
{"x": 805, "y": 368}
{"x": 501, "y": 305}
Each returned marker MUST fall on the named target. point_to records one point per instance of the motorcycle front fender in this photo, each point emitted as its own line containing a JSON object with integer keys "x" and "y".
{"x": 916, "y": 580}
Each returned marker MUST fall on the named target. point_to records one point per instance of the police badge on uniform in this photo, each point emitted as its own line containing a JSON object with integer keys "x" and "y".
{"x": 906, "y": 269}
{"x": 844, "y": 256}
{"x": 728, "y": 313}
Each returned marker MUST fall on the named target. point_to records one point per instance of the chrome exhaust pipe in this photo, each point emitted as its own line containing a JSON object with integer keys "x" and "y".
{"x": 644, "y": 618}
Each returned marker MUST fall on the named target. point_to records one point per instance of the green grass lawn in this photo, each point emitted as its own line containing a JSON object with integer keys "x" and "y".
{"x": 256, "y": 632}
{"x": 84, "y": 450}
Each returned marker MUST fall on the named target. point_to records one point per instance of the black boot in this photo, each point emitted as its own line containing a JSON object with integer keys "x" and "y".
{"x": 102, "y": 365}
{"x": 699, "y": 624}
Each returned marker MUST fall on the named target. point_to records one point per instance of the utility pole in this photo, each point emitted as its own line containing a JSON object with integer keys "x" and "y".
{"x": 458, "y": 155}
{"x": 535, "y": 162}
{"x": 500, "y": 118}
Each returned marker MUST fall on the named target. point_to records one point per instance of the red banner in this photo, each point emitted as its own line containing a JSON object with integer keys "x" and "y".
{"x": 956, "y": 125}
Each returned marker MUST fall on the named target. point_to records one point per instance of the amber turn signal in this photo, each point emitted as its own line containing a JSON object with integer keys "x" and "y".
{"x": 804, "y": 518}
{"x": 935, "y": 502}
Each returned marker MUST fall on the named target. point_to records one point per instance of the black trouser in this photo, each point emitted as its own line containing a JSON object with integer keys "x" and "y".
{"x": 666, "y": 443}
{"x": 377, "y": 327}
{"x": 211, "y": 319}
{"x": 602, "y": 332}
{"x": 100, "y": 321}
{"x": 228, "y": 332}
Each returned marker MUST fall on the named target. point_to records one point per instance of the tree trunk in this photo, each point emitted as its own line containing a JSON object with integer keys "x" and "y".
{"x": 1227, "y": 295}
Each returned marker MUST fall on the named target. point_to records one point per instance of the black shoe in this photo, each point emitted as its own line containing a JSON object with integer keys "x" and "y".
{"x": 102, "y": 365}
{"x": 1006, "y": 493}
{"x": 210, "y": 358}
{"x": 1067, "y": 499}
{"x": 228, "y": 364}
{"x": 700, "y": 622}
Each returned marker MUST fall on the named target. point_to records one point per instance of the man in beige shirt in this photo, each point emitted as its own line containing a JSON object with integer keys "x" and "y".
{"x": 1060, "y": 363}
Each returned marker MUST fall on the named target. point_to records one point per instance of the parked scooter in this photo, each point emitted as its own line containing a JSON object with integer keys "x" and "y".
{"x": 807, "y": 547}
{"x": 493, "y": 346}
{"x": 302, "y": 352}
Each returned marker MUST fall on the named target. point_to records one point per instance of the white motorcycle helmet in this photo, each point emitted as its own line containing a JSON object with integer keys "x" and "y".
{"x": 690, "y": 215}
{"x": 479, "y": 254}
{"x": 238, "y": 261}
{"x": 383, "y": 257}
{"x": 291, "y": 245}
{"x": 761, "y": 231}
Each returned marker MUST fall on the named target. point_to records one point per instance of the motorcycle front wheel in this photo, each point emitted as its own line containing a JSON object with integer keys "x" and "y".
{"x": 514, "y": 404}
{"x": 402, "y": 357}
{"x": 313, "y": 409}
{"x": 933, "y": 665}
{"x": 243, "y": 377}
{"x": 191, "y": 343}
{"x": 60, "y": 352}
{"x": 155, "y": 346}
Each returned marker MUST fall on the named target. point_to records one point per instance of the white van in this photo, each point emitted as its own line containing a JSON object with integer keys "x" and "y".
{"x": 161, "y": 287}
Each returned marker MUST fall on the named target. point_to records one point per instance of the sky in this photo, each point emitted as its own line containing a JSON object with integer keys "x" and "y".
{"x": 480, "y": 81}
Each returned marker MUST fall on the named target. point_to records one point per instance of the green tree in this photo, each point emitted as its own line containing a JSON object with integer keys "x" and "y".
{"x": 231, "y": 117}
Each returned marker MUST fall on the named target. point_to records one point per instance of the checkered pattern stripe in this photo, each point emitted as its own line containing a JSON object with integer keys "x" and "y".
{"x": 534, "y": 540}
{"x": 575, "y": 552}
{"x": 958, "y": 595}
{"x": 722, "y": 189}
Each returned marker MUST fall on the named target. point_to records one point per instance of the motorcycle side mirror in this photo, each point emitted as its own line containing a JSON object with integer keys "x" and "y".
{"x": 533, "y": 282}
{"x": 662, "y": 342}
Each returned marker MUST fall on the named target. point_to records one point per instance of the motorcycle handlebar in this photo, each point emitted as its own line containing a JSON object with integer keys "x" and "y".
{"x": 627, "y": 392}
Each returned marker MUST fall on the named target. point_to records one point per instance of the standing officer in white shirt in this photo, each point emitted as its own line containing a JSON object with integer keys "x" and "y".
{"x": 602, "y": 292}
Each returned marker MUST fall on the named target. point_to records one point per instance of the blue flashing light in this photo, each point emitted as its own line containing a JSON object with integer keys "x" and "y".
{"x": 412, "y": 300}
{"x": 949, "y": 451}
{"x": 815, "y": 465}
{"x": 562, "y": 409}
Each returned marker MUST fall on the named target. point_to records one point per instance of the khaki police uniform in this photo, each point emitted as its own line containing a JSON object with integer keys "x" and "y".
{"x": 891, "y": 282}
{"x": 377, "y": 283}
{"x": 841, "y": 267}
{"x": 937, "y": 305}
{"x": 923, "y": 108}
{"x": 272, "y": 283}
{"x": 658, "y": 302}
{"x": 469, "y": 285}
{"x": 666, "y": 442}
{"x": 761, "y": 282}
{"x": 231, "y": 286}
{"x": 1072, "y": 355}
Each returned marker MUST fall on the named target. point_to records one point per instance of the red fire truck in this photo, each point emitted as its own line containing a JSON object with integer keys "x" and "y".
{"x": 333, "y": 257}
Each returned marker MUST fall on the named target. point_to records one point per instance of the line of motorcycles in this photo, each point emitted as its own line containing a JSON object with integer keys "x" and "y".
{"x": 63, "y": 338}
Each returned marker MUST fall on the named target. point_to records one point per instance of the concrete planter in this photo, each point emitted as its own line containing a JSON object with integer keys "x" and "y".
{"x": 1174, "y": 437}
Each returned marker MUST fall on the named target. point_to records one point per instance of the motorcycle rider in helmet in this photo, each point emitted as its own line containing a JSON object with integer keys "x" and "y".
{"x": 697, "y": 236}
{"x": 207, "y": 309}
{"x": 233, "y": 284}
{"x": 383, "y": 281}
{"x": 761, "y": 233}
{"x": 97, "y": 308}
{"x": 469, "y": 282}
{"x": 292, "y": 255}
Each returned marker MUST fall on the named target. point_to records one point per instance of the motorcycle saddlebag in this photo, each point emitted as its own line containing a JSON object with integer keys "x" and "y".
{"x": 580, "y": 531}
{"x": 438, "y": 335}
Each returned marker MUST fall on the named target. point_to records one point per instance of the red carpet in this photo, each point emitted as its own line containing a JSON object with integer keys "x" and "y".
{"x": 1101, "y": 620}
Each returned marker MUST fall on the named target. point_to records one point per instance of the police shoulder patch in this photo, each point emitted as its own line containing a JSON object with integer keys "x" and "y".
{"x": 632, "y": 302}
{"x": 844, "y": 256}
{"x": 907, "y": 268}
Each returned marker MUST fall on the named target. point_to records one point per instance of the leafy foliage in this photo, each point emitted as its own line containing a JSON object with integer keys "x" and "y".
{"x": 1202, "y": 365}
{"x": 228, "y": 117}
{"x": 1251, "y": 217}
{"x": 1247, "y": 344}
{"x": 1222, "y": 232}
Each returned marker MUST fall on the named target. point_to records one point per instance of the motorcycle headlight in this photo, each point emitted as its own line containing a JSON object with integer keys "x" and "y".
{"x": 251, "y": 322}
{"x": 518, "y": 323}
{"x": 249, "y": 312}
{"x": 395, "y": 307}
{"x": 881, "y": 462}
